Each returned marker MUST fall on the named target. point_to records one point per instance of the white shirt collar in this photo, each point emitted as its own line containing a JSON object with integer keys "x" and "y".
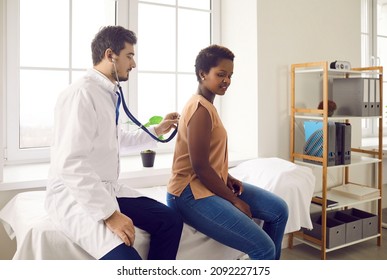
{"x": 103, "y": 80}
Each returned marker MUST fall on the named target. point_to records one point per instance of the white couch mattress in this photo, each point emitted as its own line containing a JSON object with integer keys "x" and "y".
{"x": 25, "y": 219}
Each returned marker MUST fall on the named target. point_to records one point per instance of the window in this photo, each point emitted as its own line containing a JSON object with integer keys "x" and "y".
{"x": 167, "y": 51}
{"x": 374, "y": 48}
{"x": 170, "y": 34}
{"x": 46, "y": 51}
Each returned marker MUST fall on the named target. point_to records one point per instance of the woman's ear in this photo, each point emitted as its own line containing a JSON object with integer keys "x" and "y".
{"x": 202, "y": 75}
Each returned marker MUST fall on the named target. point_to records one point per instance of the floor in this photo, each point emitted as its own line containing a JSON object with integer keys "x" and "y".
{"x": 367, "y": 250}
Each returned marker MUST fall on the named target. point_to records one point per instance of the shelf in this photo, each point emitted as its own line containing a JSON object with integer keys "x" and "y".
{"x": 355, "y": 160}
{"x": 345, "y": 201}
{"x": 334, "y": 118}
{"x": 300, "y": 237}
{"x": 335, "y": 72}
{"x": 359, "y": 156}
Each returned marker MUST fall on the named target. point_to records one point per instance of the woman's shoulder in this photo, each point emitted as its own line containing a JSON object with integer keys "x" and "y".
{"x": 197, "y": 100}
{"x": 193, "y": 104}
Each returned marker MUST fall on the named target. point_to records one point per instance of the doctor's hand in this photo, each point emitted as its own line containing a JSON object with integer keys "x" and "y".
{"x": 123, "y": 226}
{"x": 170, "y": 121}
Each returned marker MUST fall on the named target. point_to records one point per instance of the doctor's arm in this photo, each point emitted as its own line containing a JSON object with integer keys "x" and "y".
{"x": 137, "y": 140}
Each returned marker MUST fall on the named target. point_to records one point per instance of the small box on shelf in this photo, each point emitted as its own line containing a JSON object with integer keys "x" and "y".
{"x": 369, "y": 220}
{"x": 353, "y": 225}
{"x": 335, "y": 230}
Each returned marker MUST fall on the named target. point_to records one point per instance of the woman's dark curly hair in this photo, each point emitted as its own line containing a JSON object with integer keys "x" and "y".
{"x": 210, "y": 57}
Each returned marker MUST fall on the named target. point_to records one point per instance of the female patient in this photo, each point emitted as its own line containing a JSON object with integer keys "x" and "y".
{"x": 201, "y": 190}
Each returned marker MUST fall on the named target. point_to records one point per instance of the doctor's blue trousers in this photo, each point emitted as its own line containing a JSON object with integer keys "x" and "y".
{"x": 162, "y": 223}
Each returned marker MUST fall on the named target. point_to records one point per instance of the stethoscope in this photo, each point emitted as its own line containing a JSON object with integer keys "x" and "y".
{"x": 121, "y": 99}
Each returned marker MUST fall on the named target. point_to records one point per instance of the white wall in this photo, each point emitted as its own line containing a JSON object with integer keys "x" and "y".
{"x": 284, "y": 32}
{"x": 266, "y": 37}
{"x": 239, "y": 105}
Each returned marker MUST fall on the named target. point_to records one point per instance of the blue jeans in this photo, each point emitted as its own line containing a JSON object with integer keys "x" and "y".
{"x": 222, "y": 221}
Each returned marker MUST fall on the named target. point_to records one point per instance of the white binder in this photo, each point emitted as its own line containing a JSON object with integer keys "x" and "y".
{"x": 366, "y": 97}
{"x": 377, "y": 98}
{"x": 372, "y": 97}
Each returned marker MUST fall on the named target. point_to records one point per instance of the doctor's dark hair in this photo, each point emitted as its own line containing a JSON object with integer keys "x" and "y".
{"x": 210, "y": 57}
{"x": 113, "y": 37}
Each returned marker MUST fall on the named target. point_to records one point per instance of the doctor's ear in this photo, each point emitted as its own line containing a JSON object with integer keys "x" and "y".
{"x": 109, "y": 54}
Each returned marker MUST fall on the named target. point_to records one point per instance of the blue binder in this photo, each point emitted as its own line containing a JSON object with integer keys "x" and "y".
{"x": 314, "y": 141}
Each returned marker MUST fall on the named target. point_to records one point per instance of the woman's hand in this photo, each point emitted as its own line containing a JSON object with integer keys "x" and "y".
{"x": 170, "y": 121}
{"x": 234, "y": 185}
{"x": 237, "y": 188}
{"x": 123, "y": 226}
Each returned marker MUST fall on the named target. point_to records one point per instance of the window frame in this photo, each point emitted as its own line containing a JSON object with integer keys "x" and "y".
{"x": 13, "y": 154}
{"x": 132, "y": 84}
{"x": 370, "y": 57}
{"x": 126, "y": 15}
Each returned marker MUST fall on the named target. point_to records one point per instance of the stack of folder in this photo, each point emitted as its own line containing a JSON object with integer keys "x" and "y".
{"x": 339, "y": 142}
{"x": 357, "y": 96}
{"x": 343, "y": 143}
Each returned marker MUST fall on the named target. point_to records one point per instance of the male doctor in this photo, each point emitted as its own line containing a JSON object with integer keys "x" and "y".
{"x": 84, "y": 199}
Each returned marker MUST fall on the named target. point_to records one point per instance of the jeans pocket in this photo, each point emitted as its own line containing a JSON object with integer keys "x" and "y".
{"x": 171, "y": 200}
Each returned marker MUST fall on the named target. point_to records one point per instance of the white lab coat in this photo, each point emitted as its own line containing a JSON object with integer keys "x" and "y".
{"x": 82, "y": 185}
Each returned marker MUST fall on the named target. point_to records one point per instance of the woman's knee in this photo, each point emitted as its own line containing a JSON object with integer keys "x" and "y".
{"x": 261, "y": 251}
{"x": 284, "y": 209}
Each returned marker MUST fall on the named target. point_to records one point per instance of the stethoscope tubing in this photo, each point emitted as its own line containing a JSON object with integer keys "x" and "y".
{"x": 138, "y": 123}
{"x": 133, "y": 118}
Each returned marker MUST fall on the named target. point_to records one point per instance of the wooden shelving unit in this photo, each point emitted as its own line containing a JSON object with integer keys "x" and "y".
{"x": 360, "y": 157}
